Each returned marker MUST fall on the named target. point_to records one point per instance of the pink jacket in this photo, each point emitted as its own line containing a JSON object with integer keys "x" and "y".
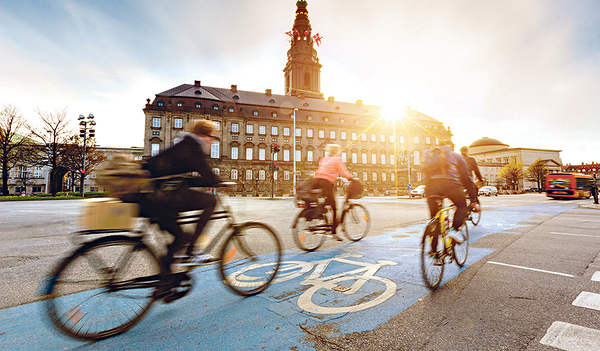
{"x": 330, "y": 167}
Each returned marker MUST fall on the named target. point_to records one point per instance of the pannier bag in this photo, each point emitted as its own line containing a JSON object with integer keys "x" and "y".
{"x": 123, "y": 177}
{"x": 355, "y": 189}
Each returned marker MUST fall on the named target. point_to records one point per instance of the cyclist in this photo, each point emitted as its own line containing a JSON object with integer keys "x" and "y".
{"x": 330, "y": 167}
{"x": 472, "y": 164}
{"x": 446, "y": 173}
{"x": 170, "y": 197}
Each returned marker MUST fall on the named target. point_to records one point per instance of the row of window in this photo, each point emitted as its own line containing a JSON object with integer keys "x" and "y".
{"x": 26, "y": 172}
{"x": 262, "y": 175}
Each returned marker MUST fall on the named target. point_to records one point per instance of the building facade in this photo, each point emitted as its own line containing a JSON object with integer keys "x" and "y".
{"x": 381, "y": 152}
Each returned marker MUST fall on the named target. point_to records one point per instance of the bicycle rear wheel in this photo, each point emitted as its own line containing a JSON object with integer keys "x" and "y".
{"x": 309, "y": 229}
{"x": 252, "y": 247}
{"x": 104, "y": 288}
{"x": 432, "y": 262}
{"x": 461, "y": 251}
{"x": 356, "y": 222}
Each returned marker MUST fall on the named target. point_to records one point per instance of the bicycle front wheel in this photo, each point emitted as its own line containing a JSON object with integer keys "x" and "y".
{"x": 475, "y": 217}
{"x": 309, "y": 232}
{"x": 250, "y": 258}
{"x": 432, "y": 259}
{"x": 461, "y": 251}
{"x": 356, "y": 222}
{"x": 104, "y": 288}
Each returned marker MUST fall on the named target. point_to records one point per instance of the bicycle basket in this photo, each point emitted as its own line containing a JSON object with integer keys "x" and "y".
{"x": 355, "y": 189}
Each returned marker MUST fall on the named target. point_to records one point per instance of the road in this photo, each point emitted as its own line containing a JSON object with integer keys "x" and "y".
{"x": 529, "y": 282}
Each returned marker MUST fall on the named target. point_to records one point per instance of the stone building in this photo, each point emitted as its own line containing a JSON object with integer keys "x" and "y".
{"x": 299, "y": 124}
{"x": 585, "y": 168}
{"x": 492, "y": 155}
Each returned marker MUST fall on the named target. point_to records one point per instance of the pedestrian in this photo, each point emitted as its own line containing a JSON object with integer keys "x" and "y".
{"x": 595, "y": 189}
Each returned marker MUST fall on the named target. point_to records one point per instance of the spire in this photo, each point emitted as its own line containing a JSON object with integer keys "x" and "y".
{"x": 303, "y": 70}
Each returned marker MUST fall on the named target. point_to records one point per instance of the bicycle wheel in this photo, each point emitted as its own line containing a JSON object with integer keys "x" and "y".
{"x": 432, "y": 262}
{"x": 356, "y": 222}
{"x": 461, "y": 251}
{"x": 309, "y": 232}
{"x": 251, "y": 247}
{"x": 104, "y": 288}
{"x": 475, "y": 217}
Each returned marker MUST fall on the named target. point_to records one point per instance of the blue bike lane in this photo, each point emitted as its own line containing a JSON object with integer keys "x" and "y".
{"x": 350, "y": 288}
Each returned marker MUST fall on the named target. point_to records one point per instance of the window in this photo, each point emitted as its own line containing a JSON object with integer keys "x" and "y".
{"x": 217, "y": 125}
{"x": 332, "y": 134}
{"x": 249, "y": 129}
{"x": 383, "y": 177}
{"x": 198, "y": 105}
{"x": 437, "y": 141}
{"x": 234, "y": 152}
{"x": 416, "y": 140}
{"x": 344, "y": 157}
{"x": 392, "y": 159}
{"x": 274, "y": 130}
{"x": 155, "y": 150}
{"x": 274, "y": 175}
{"x": 373, "y": 137}
{"x": 363, "y": 137}
{"x": 353, "y": 136}
{"x": 275, "y": 156}
{"x": 261, "y": 174}
{"x": 286, "y": 175}
{"x": 382, "y": 138}
{"x": 37, "y": 173}
{"x": 326, "y": 119}
{"x": 179, "y": 103}
{"x": 214, "y": 150}
{"x": 354, "y": 157}
{"x": 416, "y": 156}
{"x": 392, "y": 177}
{"x": 321, "y": 133}
{"x": 401, "y": 139}
{"x": 216, "y": 171}
{"x": 309, "y": 117}
{"x": 427, "y": 140}
{"x": 248, "y": 174}
{"x": 383, "y": 159}
{"x": 160, "y": 104}
{"x": 215, "y": 107}
{"x": 286, "y": 155}
{"x": 155, "y": 132}
{"x": 341, "y": 120}
{"x": 286, "y": 131}
{"x": 364, "y": 158}
{"x": 262, "y": 130}
{"x": 261, "y": 154}
{"x": 255, "y": 113}
{"x": 249, "y": 153}
{"x": 418, "y": 176}
{"x": 374, "y": 159}
{"x": 156, "y": 122}
{"x": 357, "y": 122}
{"x": 231, "y": 109}
{"x": 298, "y": 155}
{"x": 274, "y": 114}
{"x": 234, "y": 174}
{"x": 309, "y": 133}
{"x": 178, "y": 123}
{"x": 391, "y": 139}
{"x": 235, "y": 127}
{"x": 343, "y": 135}
{"x": 309, "y": 155}
{"x": 365, "y": 177}
{"x": 298, "y": 132}
{"x": 374, "y": 176}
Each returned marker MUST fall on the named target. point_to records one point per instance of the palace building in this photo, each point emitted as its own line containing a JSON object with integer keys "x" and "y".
{"x": 266, "y": 138}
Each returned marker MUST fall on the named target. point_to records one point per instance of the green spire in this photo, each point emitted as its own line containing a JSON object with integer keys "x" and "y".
{"x": 301, "y": 3}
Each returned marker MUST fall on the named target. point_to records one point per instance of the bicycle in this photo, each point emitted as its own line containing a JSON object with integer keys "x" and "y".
{"x": 437, "y": 248}
{"x": 314, "y": 223}
{"x": 473, "y": 216}
{"x": 105, "y": 286}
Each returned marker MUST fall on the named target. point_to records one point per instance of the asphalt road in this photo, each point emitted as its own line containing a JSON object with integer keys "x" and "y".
{"x": 530, "y": 278}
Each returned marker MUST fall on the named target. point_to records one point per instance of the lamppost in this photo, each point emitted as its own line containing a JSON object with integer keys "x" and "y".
{"x": 294, "y": 149}
{"x": 84, "y": 132}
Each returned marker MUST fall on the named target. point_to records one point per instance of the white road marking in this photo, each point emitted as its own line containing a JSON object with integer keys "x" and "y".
{"x": 570, "y": 234}
{"x": 596, "y": 276}
{"x": 588, "y": 300}
{"x": 532, "y": 269}
{"x": 571, "y": 337}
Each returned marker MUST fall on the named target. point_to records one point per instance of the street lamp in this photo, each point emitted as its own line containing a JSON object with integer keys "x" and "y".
{"x": 294, "y": 149}
{"x": 84, "y": 132}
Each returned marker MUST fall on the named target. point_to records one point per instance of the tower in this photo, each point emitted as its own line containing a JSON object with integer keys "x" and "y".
{"x": 303, "y": 70}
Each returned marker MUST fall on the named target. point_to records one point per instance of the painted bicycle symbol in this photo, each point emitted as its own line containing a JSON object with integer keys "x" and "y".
{"x": 329, "y": 300}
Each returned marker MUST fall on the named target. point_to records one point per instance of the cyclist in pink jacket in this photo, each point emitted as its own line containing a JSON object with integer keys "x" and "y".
{"x": 330, "y": 167}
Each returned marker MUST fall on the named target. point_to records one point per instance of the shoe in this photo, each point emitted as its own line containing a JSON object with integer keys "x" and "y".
{"x": 456, "y": 236}
{"x": 196, "y": 260}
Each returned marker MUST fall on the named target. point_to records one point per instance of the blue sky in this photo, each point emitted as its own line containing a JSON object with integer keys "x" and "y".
{"x": 523, "y": 72}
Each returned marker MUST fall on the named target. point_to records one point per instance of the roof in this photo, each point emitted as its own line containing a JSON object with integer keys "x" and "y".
{"x": 485, "y": 141}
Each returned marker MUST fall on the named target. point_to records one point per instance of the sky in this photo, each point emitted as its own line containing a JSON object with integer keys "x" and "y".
{"x": 524, "y": 72}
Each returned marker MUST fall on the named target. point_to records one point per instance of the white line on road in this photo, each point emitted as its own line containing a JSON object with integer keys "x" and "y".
{"x": 570, "y": 234}
{"x": 588, "y": 300}
{"x": 532, "y": 269}
{"x": 596, "y": 276}
{"x": 571, "y": 337}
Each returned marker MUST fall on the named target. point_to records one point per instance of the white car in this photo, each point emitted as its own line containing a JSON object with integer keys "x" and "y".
{"x": 418, "y": 191}
{"x": 488, "y": 191}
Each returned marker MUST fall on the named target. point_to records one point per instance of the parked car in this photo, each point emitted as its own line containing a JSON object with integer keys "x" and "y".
{"x": 418, "y": 191}
{"x": 488, "y": 191}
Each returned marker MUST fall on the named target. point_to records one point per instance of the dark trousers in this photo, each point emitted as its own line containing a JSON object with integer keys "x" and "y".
{"x": 452, "y": 190}
{"x": 320, "y": 183}
{"x": 166, "y": 207}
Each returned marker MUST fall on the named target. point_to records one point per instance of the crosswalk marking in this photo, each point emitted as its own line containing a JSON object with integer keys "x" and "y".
{"x": 588, "y": 300}
{"x": 571, "y": 337}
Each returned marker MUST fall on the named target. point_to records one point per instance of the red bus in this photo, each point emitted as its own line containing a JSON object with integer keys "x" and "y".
{"x": 568, "y": 185}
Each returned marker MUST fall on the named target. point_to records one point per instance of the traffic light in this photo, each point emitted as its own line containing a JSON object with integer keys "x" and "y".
{"x": 92, "y": 133}
{"x": 276, "y": 148}
{"x": 270, "y": 165}
{"x": 272, "y": 148}
{"x": 82, "y": 133}
{"x": 275, "y": 166}
{"x": 83, "y": 171}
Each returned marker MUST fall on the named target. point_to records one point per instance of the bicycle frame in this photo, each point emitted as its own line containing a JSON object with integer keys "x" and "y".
{"x": 442, "y": 217}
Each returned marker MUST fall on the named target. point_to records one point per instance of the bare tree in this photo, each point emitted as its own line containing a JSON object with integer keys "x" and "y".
{"x": 15, "y": 143}
{"x": 537, "y": 172}
{"x": 54, "y": 134}
{"x": 73, "y": 157}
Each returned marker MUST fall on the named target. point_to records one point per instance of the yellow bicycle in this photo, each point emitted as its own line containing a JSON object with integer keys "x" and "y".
{"x": 437, "y": 248}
